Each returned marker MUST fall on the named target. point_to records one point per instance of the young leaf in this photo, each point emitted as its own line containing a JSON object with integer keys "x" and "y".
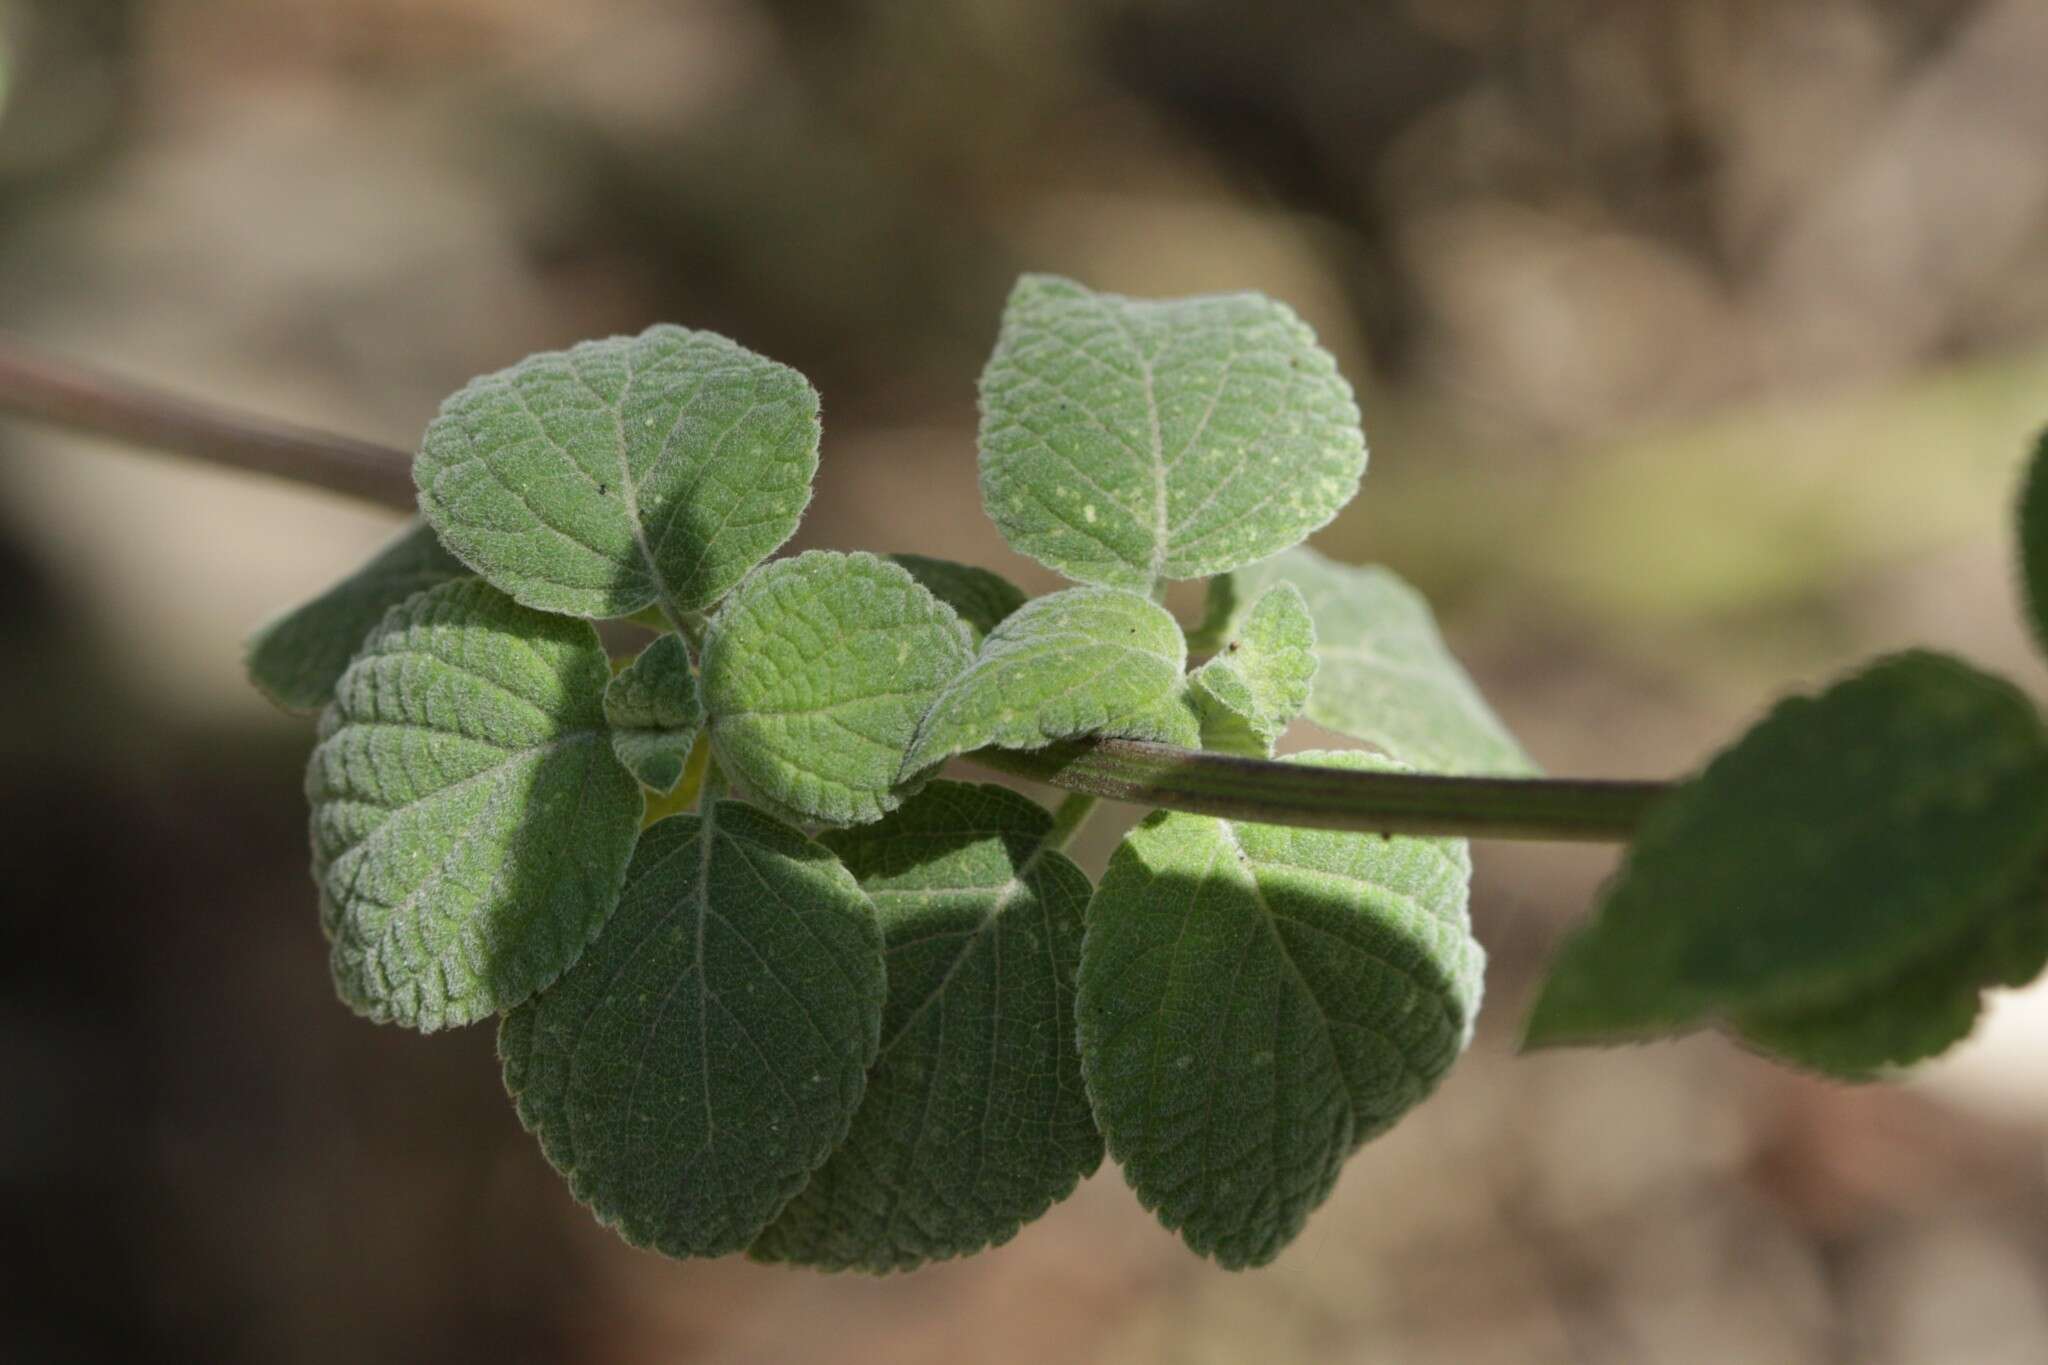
{"x": 975, "y": 1120}
{"x": 654, "y": 713}
{"x": 2033, "y": 529}
{"x": 816, "y": 673}
{"x": 296, "y": 659}
{"x": 982, "y": 598}
{"x": 620, "y": 474}
{"x": 1256, "y": 1002}
{"x": 708, "y": 1052}
{"x": 470, "y": 825}
{"x": 1081, "y": 662}
{"x": 1259, "y": 680}
{"x": 1384, "y": 675}
{"x": 1831, "y": 867}
{"x": 1127, "y": 441}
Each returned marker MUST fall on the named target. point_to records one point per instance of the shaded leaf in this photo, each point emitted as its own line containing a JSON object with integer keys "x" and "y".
{"x": 982, "y": 598}
{"x": 654, "y": 713}
{"x": 2033, "y": 535}
{"x": 1259, "y": 680}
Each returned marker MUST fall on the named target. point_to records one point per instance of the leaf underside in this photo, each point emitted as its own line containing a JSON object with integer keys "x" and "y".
{"x": 1260, "y": 678}
{"x": 655, "y": 714}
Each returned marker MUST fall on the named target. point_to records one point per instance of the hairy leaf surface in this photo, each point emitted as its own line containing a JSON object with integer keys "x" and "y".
{"x": 622, "y": 474}
{"x": 975, "y": 1120}
{"x": 1257, "y": 1001}
{"x": 1260, "y": 678}
{"x": 296, "y": 659}
{"x": 816, "y": 673}
{"x": 982, "y": 598}
{"x": 655, "y": 714}
{"x": 1086, "y": 661}
{"x": 1126, "y": 441}
{"x": 470, "y": 824}
{"x": 708, "y": 1052}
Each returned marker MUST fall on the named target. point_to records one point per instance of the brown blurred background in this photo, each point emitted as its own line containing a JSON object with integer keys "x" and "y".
{"x": 1699, "y": 344}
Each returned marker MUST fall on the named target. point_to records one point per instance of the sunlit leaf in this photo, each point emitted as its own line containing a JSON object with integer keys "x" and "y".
{"x": 982, "y": 598}
{"x": 1260, "y": 678}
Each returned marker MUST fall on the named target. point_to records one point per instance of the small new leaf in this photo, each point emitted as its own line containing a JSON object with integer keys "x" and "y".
{"x": 1835, "y": 884}
{"x": 816, "y": 673}
{"x": 982, "y": 598}
{"x": 296, "y": 659}
{"x": 1256, "y": 1002}
{"x": 1086, "y": 661}
{"x": 470, "y": 825}
{"x": 1260, "y": 678}
{"x": 1125, "y": 441}
{"x": 621, "y": 474}
{"x": 975, "y": 1120}
{"x": 708, "y": 1052}
{"x": 653, "y": 710}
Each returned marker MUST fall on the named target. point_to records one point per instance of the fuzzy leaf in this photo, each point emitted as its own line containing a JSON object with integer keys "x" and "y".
{"x": 975, "y": 1120}
{"x": 2033, "y": 535}
{"x": 982, "y": 598}
{"x": 1126, "y": 441}
{"x": 621, "y": 474}
{"x": 1383, "y": 674}
{"x": 816, "y": 673}
{"x": 708, "y": 1052}
{"x": 1835, "y": 865}
{"x": 1260, "y": 678}
{"x": 470, "y": 825}
{"x": 653, "y": 710}
{"x": 1257, "y": 1001}
{"x": 1085, "y": 661}
{"x": 296, "y": 659}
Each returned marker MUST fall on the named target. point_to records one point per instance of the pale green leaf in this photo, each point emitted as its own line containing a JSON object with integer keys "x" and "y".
{"x": 1260, "y": 678}
{"x": 975, "y": 1120}
{"x": 1256, "y": 1002}
{"x": 653, "y": 710}
{"x": 1126, "y": 441}
{"x": 816, "y": 673}
{"x": 296, "y": 659}
{"x": 470, "y": 825}
{"x": 622, "y": 474}
{"x": 982, "y": 598}
{"x": 1842, "y": 861}
{"x": 1087, "y": 661}
{"x": 1383, "y": 674}
{"x": 708, "y": 1052}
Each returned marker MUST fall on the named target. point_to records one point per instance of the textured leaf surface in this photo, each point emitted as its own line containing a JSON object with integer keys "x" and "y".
{"x": 1128, "y": 441}
{"x": 816, "y": 673}
{"x": 982, "y": 598}
{"x": 2033, "y": 530}
{"x": 623, "y": 473}
{"x": 1849, "y": 850}
{"x": 1256, "y": 1002}
{"x": 654, "y": 713}
{"x": 975, "y": 1120}
{"x": 1085, "y": 661}
{"x": 708, "y": 1052}
{"x": 1260, "y": 678}
{"x": 470, "y": 825}
{"x": 1384, "y": 675}
{"x": 296, "y": 659}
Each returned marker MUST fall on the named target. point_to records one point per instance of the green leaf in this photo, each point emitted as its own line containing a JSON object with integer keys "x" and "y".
{"x": 1257, "y": 1001}
{"x": 1836, "y": 865}
{"x": 982, "y": 598}
{"x": 2033, "y": 529}
{"x": 470, "y": 825}
{"x": 1384, "y": 675}
{"x": 816, "y": 673}
{"x": 708, "y": 1052}
{"x": 1126, "y": 442}
{"x": 654, "y": 713}
{"x": 621, "y": 474}
{"x": 1081, "y": 662}
{"x": 296, "y": 659}
{"x": 975, "y": 1120}
{"x": 1259, "y": 680}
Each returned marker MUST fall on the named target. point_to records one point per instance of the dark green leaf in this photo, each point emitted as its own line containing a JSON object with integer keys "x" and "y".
{"x": 983, "y": 599}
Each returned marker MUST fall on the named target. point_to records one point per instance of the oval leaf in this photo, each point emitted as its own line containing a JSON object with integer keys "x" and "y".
{"x": 653, "y": 710}
{"x": 1128, "y": 441}
{"x": 622, "y": 474}
{"x": 470, "y": 825}
{"x": 707, "y": 1053}
{"x": 975, "y": 1120}
{"x": 983, "y": 599}
{"x": 1256, "y": 1002}
{"x": 1260, "y": 678}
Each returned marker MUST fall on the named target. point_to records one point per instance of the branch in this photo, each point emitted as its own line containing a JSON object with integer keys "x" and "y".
{"x": 44, "y": 389}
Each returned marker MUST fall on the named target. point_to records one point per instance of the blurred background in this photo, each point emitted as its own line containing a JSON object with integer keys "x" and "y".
{"x": 1699, "y": 344}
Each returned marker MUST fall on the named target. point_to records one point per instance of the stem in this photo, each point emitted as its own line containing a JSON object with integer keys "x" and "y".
{"x": 37, "y": 387}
